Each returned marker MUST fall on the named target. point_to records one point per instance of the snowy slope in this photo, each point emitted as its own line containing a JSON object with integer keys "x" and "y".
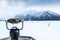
{"x": 43, "y": 15}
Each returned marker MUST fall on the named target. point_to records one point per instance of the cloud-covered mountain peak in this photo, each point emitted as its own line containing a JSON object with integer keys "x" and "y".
{"x": 42, "y": 15}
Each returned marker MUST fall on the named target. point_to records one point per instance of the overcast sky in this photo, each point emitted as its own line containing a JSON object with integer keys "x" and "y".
{"x": 9, "y": 8}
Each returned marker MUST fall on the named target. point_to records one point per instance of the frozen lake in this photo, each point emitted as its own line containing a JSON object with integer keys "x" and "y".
{"x": 40, "y": 30}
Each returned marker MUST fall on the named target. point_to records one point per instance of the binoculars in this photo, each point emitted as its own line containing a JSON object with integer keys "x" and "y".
{"x": 14, "y": 31}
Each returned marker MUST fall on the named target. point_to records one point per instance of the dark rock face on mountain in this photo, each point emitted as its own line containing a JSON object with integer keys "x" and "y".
{"x": 36, "y": 16}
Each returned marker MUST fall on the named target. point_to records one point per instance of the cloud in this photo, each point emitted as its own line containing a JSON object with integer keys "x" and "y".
{"x": 8, "y": 11}
{"x": 36, "y": 2}
{"x": 13, "y": 7}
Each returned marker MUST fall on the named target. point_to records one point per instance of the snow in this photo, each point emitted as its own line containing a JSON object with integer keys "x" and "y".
{"x": 42, "y": 15}
{"x": 36, "y": 29}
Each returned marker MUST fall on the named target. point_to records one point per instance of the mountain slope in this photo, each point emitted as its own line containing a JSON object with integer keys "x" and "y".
{"x": 44, "y": 15}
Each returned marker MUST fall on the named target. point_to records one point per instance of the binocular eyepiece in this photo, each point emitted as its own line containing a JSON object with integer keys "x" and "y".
{"x": 13, "y": 21}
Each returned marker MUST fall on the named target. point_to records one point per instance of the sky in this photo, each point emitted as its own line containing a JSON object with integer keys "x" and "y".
{"x": 9, "y": 8}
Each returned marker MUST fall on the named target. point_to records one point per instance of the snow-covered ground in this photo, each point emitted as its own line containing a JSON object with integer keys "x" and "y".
{"x": 40, "y": 30}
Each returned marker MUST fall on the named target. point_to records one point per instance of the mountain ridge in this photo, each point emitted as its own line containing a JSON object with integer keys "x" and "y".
{"x": 43, "y": 15}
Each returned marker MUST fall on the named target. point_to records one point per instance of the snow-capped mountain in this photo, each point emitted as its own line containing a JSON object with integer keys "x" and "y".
{"x": 43, "y": 15}
{"x": 48, "y": 15}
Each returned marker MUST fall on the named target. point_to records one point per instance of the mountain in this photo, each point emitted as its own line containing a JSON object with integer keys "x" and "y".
{"x": 48, "y": 15}
{"x": 43, "y": 15}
